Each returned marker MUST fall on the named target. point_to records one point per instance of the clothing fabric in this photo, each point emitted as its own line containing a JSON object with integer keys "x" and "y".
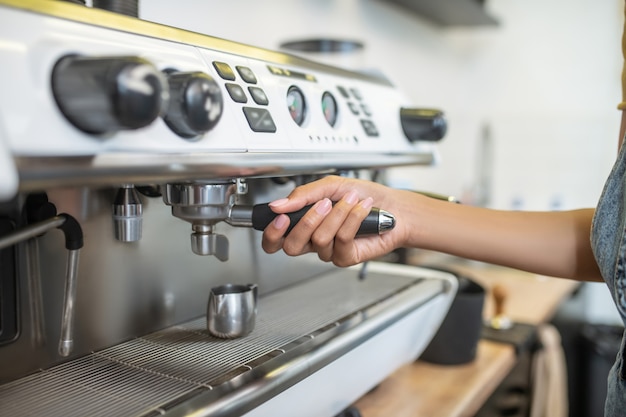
{"x": 608, "y": 240}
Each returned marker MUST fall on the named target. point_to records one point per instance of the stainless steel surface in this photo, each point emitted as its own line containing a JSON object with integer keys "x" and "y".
{"x": 232, "y": 310}
{"x": 386, "y": 221}
{"x": 198, "y": 194}
{"x": 129, "y": 289}
{"x": 127, "y": 214}
{"x": 31, "y": 231}
{"x": 33, "y": 279}
{"x": 240, "y": 216}
{"x": 105, "y": 170}
{"x": 183, "y": 364}
{"x": 205, "y": 242}
{"x": 203, "y": 205}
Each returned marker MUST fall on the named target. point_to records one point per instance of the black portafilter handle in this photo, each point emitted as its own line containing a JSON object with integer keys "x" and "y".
{"x": 377, "y": 221}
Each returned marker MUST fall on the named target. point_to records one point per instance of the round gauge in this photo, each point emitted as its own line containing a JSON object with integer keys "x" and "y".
{"x": 296, "y": 104}
{"x": 329, "y": 107}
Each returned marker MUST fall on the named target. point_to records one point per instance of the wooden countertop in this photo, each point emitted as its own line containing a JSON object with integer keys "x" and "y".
{"x": 425, "y": 389}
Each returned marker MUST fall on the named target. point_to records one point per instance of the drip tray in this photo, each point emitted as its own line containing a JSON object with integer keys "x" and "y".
{"x": 165, "y": 371}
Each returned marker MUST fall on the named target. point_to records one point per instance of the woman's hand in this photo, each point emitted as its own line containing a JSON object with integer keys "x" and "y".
{"x": 330, "y": 230}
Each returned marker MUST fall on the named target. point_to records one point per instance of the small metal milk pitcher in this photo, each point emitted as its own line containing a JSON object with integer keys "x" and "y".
{"x": 232, "y": 310}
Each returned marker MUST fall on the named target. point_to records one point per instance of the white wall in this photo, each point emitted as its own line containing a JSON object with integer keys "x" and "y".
{"x": 545, "y": 84}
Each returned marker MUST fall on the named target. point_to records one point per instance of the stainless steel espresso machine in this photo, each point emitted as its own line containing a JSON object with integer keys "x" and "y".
{"x": 135, "y": 159}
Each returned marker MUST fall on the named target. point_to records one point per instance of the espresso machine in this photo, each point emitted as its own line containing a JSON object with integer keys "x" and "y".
{"x": 135, "y": 163}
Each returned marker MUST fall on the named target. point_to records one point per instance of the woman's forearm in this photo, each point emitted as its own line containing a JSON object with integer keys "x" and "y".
{"x": 549, "y": 243}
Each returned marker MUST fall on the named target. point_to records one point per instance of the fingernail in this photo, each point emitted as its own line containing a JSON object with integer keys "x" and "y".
{"x": 323, "y": 207}
{"x": 279, "y": 202}
{"x": 367, "y": 203}
{"x": 351, "y": 198}
{"x": 280, "y": 221}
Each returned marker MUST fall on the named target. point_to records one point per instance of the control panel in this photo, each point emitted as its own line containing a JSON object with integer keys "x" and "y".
{"x": 95, "y": 94}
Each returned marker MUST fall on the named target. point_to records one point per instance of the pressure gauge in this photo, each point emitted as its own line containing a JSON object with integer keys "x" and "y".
{"x": 329, "y": 108}
{"x": 296, "y": 104}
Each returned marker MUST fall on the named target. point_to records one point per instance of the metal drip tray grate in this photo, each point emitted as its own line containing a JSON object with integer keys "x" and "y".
{"x": 152, "y": 374}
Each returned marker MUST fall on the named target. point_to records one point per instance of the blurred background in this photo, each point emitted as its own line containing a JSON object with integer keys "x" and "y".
{"x": 535, "y": 91}
{"x": 530, "y": 87}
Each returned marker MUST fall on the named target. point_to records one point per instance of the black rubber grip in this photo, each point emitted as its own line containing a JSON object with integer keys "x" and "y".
{"x": 262, "y": 216}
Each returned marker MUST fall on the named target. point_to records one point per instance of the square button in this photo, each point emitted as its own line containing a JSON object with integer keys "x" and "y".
{"x": 356, "y": 93}
{"x": 259, "y": 120}
{"x": 369, "y": 127}
{"x": 258, "y": 95}
{"x": 353, "y": 108}
{"x": 236, "y": 93}
{"x": 246, "y": 74}
{"x": 224, "y": 70}
{"x": 343, "y": 91}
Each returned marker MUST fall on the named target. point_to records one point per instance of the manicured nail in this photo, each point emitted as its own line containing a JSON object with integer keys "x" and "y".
{"x": 367, "y": 203}
{"x": 323, "y": 207}
{"x": 351, "y": 198}
{"x": 280, "y": 221}
{"x": 279, "y": 202}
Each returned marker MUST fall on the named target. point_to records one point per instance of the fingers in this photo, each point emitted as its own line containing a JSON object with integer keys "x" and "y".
{"x": 345, "y": 248}
{"x": 272, "y": 240}
{"x": 325, "y": 229}
{"x": 331, "y": 187}
{"x": 322, "y": 239}
{"x": 299, "y": 238}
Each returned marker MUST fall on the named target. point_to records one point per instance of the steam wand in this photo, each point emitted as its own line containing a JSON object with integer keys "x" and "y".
{"x": 46, "y": 212}
{"x": 73, "y": 242}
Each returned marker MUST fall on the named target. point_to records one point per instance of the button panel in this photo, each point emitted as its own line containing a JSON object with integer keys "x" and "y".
{"x": 246, "y": 74}
{"x": 224, "y": 70}
{"x": 355, "y": 102}
{"x": 236, "y": 93}
{"x": 369, "y": 127}
{"x": 259, "y": 120}
{"x": 258, "y": 95}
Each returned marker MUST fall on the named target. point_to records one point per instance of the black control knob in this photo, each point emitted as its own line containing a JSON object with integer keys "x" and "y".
{"x": 423, "y": 124}
{"x": 107, "y": 94}
{"x": 195, "y": 104}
